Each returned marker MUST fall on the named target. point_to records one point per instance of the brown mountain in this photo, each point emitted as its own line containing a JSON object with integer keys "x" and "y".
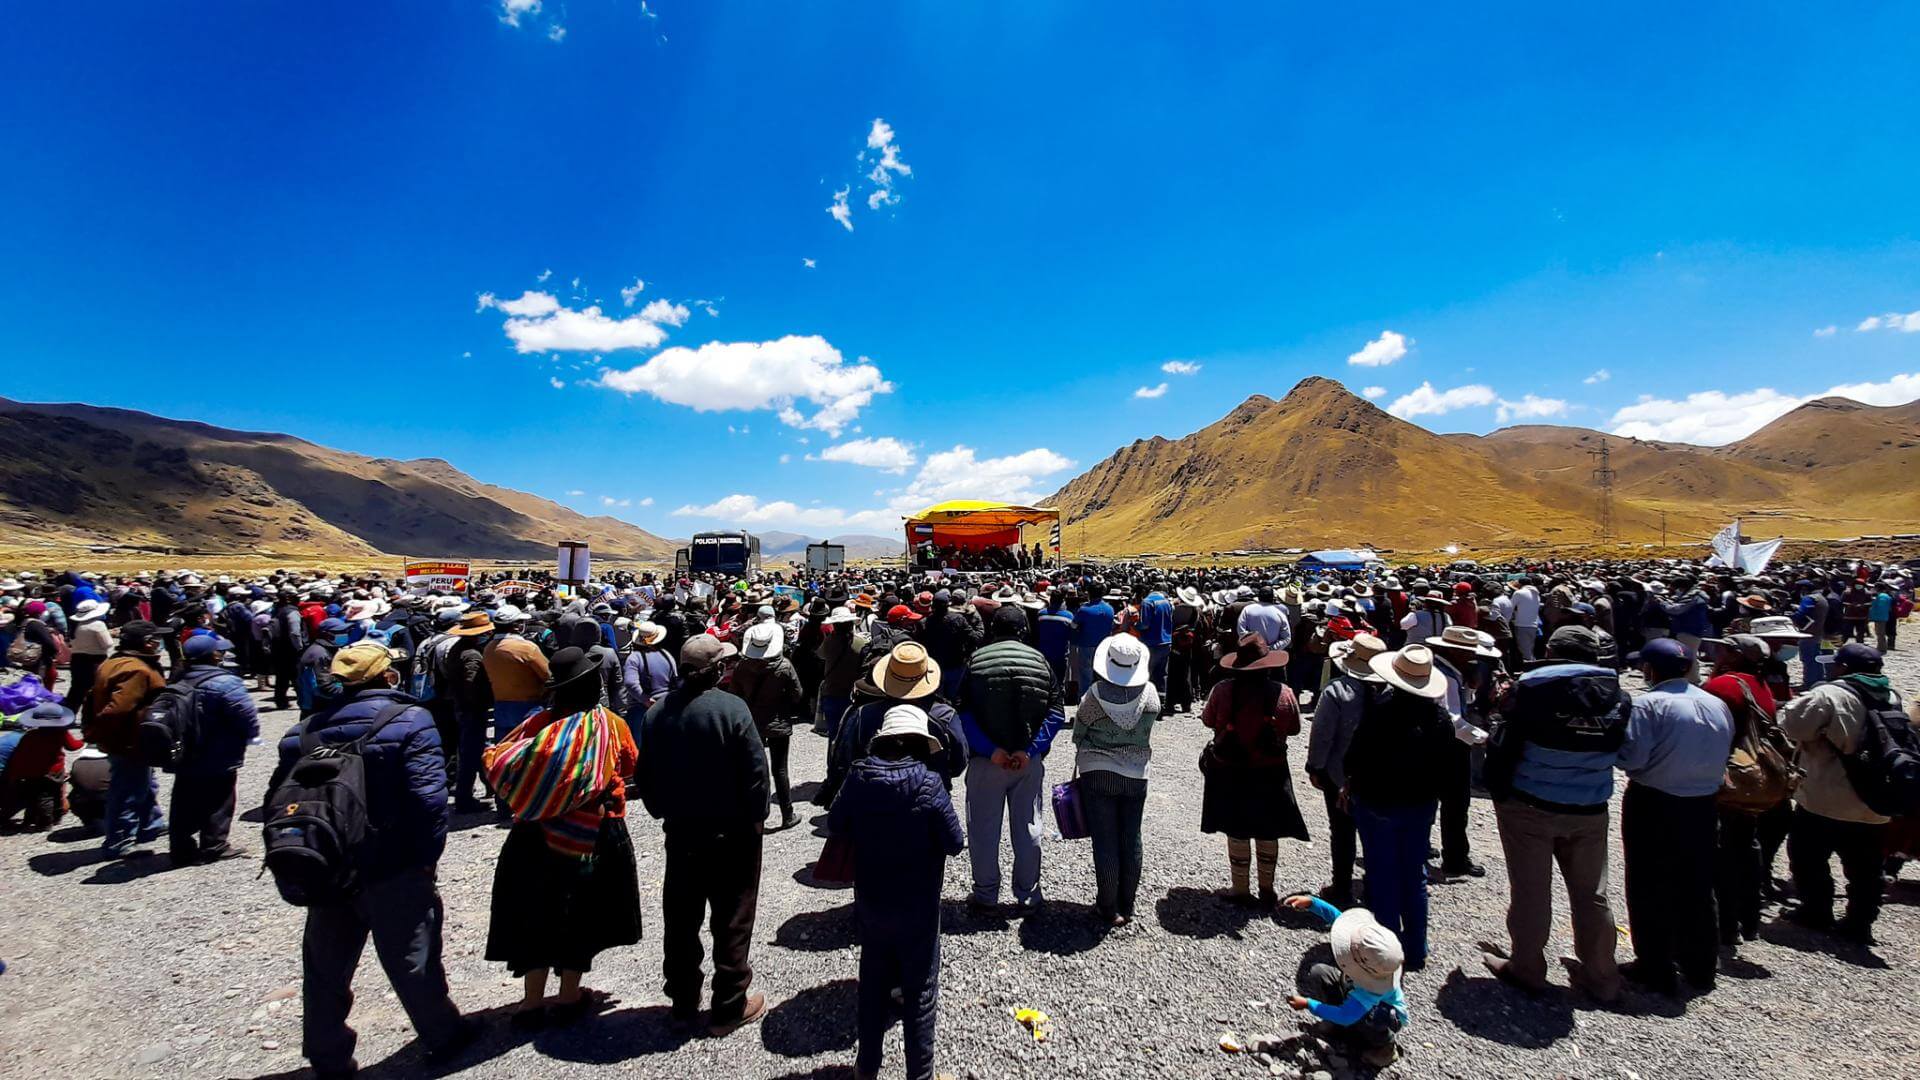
{"x": 80, "y": 475}
{"x": 1324, "y": 467}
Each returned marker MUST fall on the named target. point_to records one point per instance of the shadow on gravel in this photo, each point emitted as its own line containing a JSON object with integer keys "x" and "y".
{"x": 613, "y": 1037}
{"x": 407, "y": 1063}
{"x": 125, "y": 870}
{"x": 1737, "y": 967}
{"x": 956, "y": 919}
{"x": 1197, "y": 913}
{"x": 1905, "y": 893}
{"x": 814, "y": 1021}
{"x": 824, "y": 1072}
{"x": 56, "y": 863}
{"x": 1319, "y": 954}
{"x": 1800, "y": 939}
{"x": 818, "y": 931}
{"x": 1063, "y": 929}
{"x": 804, "y": 876}
{"x": 804, "y": 793}
{"x": 1489, "y": 1009}
{"x": 72, "y": 834}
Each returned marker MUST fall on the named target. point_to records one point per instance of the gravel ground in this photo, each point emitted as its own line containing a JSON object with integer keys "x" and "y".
{"x": 133, "y": 970}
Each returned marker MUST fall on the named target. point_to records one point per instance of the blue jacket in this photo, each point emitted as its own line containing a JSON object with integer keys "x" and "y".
{"x": 900, "y": 820}
{"x": 1052, "y": 633}
{"x": 1156, "y": 620}
{"x": 1092, "y": 624}
{"x": 227, "y": 718}
{"x": 406, "y": 778}
{"x": 1689, "y": 615}
{"x": 1570, "y": 721}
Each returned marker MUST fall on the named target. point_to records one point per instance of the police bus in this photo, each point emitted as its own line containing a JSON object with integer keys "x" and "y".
{"x": 736, "y": 553}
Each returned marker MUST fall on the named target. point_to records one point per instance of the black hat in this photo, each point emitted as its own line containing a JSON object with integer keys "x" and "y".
{"x": 569, "y": 665}
{"x": 137, "y": 633}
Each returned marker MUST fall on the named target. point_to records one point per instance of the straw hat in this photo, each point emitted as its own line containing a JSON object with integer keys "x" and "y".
{"x": 1466, "y": 639}
{"x": 906, "y": 673}
{"x": 1411, "y": 669}
{"x": 1352, "y": 656}
{"x": 763, "y": 641}
{"x": 1188, "y": 595}
{"x": 650, "y": 633}
{"x": 1775, "y": 628}
{"x": 472, "y": 624}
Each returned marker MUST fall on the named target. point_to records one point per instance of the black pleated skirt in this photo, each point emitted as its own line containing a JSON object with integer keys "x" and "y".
{"x": 1251, "y": 803}
{"x": 553, "y": 911}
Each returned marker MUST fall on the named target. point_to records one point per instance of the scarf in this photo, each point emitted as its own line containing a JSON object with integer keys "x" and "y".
{"x": 556, "y": 773}
{"x": 1124, "y": 705}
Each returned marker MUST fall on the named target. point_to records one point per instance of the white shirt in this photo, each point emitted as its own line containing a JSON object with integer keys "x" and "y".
{"x": 1526, "y": 606}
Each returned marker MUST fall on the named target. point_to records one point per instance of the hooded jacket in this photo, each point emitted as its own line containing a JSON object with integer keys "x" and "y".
{"x": 227, "y": 719}
{"x": 903, "y": 828}
{"x": 1825, "y": 722}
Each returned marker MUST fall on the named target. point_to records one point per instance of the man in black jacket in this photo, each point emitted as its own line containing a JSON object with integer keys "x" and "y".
{"x": 704, "y": 774}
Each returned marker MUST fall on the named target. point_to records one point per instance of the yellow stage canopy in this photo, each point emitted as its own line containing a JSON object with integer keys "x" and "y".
{"x": 983, "y": 514}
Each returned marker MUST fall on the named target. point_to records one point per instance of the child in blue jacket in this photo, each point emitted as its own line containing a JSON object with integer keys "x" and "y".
{"x": 899, "y": 818}
{"x": 1362, "y": 994}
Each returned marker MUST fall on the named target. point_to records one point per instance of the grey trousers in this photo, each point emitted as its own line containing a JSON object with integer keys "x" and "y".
{"x": 403, "y": 914}
{"x": 989, "y": 789}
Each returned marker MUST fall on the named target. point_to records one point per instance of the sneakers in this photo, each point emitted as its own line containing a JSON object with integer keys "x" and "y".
{"x": 756, "y": 1008}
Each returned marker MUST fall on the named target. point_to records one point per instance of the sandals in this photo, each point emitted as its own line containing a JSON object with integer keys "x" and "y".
{"x": 588, "y": 1002}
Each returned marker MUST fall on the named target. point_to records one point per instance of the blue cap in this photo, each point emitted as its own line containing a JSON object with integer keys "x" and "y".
{"x": 202, "y": 646}
{"x": 1666, "y": 655}
{"x": 1583, "y": 608}
{"x": 1854, "y": 656}
{"x": 331, "y": 626}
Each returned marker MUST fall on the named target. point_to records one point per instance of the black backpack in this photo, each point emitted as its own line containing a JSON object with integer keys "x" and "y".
{"x": 168, "y": 735}
{"x": 317, "y": 828}
{"x": 1884, "y": 767}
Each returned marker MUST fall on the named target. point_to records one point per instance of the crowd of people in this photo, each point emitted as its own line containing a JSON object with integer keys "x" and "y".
{"x": 1764, "y": 719}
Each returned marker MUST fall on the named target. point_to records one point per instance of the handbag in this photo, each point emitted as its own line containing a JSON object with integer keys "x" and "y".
{"x": 1068, "y": 815}
{"x": 835, "y": 864}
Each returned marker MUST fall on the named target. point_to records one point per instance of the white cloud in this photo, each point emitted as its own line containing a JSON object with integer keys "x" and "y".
{"x": 556, "y": 384}
{"x": 608, "y": 500}
{"x": 630, "y": 293}
{"x": 886, "y": 453}
{"x": 1826, "y": 331}
{"x": 1383, "y": 350}
{"x": 544, "y": 275}
{"x": 1529, "y": 407}
{"x": 1180, "y": 367}
{"x": 949, "y": 474}
{"x": 880, "y": 197}
{"x": 537, "y": 323}
{"x": 759, "y": 375}
{"x": 808, "y": 263}
{"x": 556, "y": 32}
{"x": 1151, "y": 391}
{"x": 785, "y": 458}
{"x": 840, "y": 211}
{"x": 1893, "y": 320}
{"x": 1372, "y": 392}
{"x": 888, "y": 165}
{"x": 1426, "y": 401}
{"x": 512, "y": 11}
{"x": 1714, "y": 418}
{"x": 665, "y": 311}
{"x": 1598, "y": 377}
{"x": 575, "y": 493}
{"x": 468, "y": 355}
{"x": 648, "y": 501}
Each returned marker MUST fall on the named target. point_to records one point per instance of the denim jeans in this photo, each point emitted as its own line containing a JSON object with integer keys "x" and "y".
{"x": 1811, "y": 670}
{"x": 508, "y": 715}
{"x": 133, "y": 804}
{"x": 1157, "y": 656}
{"x": 1113, "y": 805}
{"x": 1083, "y": 667}
{"x": 1395, "y": 840}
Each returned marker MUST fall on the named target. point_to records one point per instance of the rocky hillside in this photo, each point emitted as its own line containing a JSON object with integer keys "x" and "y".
{"x": 1324, "y": 467}
{"x": 86, "y": 476}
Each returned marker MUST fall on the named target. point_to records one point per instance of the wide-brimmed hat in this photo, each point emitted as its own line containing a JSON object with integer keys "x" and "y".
{"x": 1746, "y": 645}
{"x": 1188, "y": 595}
{"x": 1353, "y": 655}
{"x": 863, "y": 601}
{"x": 763, "y": 641}
{"x": 840, "y": 615}
{"x": 1776, "y": 627}
{"x": 905, "y": 720}
{"x": 363, "y": 662}
{"x": 472, "y": 624}
{"x": 1365, "y": 951}
{"x": 907, "y": 672}
{"x": 650, "y": 633}
{"x": 1755, "y": 602}
{"x": 1411, "y": 669}
{"x": 47, "y": 714}
{"x": 1466, "y": 639}
{"x": 90, "y": 610}
{"x": 1122, "y": 661}
{"x": 1252, "y": 654}
{"x": 1291, "y": 596}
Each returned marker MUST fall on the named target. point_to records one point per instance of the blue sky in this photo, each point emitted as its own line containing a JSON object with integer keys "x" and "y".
{"x": 364, "y": 226}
